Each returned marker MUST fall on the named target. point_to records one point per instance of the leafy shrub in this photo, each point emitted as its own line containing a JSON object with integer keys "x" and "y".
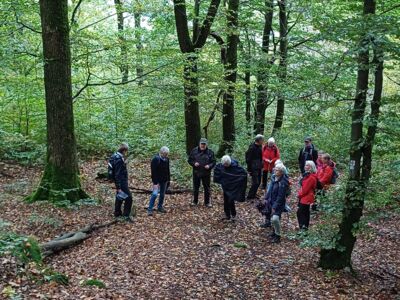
{"x": 26, "y": 249}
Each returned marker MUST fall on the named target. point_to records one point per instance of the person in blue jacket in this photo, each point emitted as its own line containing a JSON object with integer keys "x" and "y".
{"x": 276, "y": 200}
{"x": 160, "y": 175}
{"x": 233, "y": 180}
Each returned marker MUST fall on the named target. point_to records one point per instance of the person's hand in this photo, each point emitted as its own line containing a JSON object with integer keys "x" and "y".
{"x": 196, "y": 164}
{"x": 273, "y": 211}
{"x": 206, "y": 167}
{"x": 119, "y": 191}
{"x": 156, "y": 186}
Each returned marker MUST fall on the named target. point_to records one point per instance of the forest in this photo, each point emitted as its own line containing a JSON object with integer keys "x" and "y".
{"x": 85, "y": 84}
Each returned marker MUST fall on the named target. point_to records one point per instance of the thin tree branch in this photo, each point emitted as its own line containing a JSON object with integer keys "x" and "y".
{"x": 390, "y": 9}
{"x": 88, "y": 84}
{"x": 96, "y": 22}
{"x": 74, "y": 12}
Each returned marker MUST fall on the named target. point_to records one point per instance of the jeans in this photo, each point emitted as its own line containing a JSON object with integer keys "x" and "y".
{"x": 206, "y": 180}
{"x": 127, "y": 202}
{"x": 255, "y": 183}
{"x": 303, "y": 215}
{"x": 229, "y": 207}
{"x": 161, "y": 189}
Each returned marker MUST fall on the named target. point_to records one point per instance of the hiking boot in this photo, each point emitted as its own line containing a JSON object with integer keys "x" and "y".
{"x": 272, "y": 235}
{"x": 276, "y": 239}
{"x": 161, "y": 210}
{"x": 209, "y": 205}
{"x": 233, "y": 219}
{"x": 128, "y": 219}
{"x": 194, "y": 203}
{"x": 150, "y": 213}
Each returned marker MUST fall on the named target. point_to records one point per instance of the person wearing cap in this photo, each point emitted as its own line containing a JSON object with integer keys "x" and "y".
{"x": 121, "y": 184}
{"x": 160, "y": 175}
{"x": 308, "y": 152}
{"x": 270, "y": 154}
{"x": 202, "y": 160}
{"x": 254, "y": 165}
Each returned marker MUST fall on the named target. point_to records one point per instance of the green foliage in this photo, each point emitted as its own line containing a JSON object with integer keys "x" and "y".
{"x": 241, "y": 245}
{"x": 26, "y": 249}
{"x": 36, "y": 220}
{"x": 57, "y": 277}
{"x": 93, "y": 282}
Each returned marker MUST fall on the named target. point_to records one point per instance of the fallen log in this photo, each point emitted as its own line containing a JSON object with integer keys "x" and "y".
{"x": 70, "y": 239}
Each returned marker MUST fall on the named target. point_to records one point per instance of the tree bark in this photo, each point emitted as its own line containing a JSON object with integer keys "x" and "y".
{"x": 139, "y": 46}
{"x": 60, "y": 180}
{"x": 123, "y": 64}
{"x": 360, "y": 154}
{"x": 190, "y": 76}
{"x": 282, "y": 73}
{"x": 262, "y": 72}
{"x": 230, "y": 69}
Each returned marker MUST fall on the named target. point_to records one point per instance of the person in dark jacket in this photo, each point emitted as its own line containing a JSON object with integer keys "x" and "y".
{"x": 160, "y": 175}
{"x": 121, "y": 184}
{"x": 254, "y": 165}
{"x": 202, "y": 160}
{"x": 308, "y": 152}
{"x": 306, "y": 194}
{"x": 276, "y": 200}
{"x": 233, "y": 180}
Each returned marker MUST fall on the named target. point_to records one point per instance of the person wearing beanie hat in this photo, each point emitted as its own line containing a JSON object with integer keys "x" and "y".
{"x": 254, "y": 165}
{"x": 202, "y": 160}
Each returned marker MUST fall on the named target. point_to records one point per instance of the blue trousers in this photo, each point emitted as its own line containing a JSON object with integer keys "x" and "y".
{"x": 162, "y": 188}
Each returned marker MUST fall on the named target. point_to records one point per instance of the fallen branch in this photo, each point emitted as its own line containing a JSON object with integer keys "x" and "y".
{"x": 70, "y": 239}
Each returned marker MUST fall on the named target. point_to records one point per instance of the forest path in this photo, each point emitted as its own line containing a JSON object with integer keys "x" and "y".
{"x": 189, "y": 252}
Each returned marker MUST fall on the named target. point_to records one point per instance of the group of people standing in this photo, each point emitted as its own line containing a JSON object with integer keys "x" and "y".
{"x": 264, "y": 167}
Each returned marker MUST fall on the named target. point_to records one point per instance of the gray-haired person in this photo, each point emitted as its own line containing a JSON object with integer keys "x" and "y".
{"x": 254, "y": 165}
{"x": 160, "y": 175}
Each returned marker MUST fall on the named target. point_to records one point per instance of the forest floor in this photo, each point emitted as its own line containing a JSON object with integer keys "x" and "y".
{"x": 188, "y": 253}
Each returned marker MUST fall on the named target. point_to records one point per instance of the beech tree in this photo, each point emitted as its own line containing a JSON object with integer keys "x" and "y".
{"x": 190, "y": 47}
{"x": 361, "y": 144}
{"x": 60, "y": 180}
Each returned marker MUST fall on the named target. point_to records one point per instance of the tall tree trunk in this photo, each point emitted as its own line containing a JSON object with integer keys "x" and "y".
{"x": 60, "y": 180}
{"x": 282, "y": 73}
{"x": 263, "y": 69}
{"x": 360, "y": 153}
{"x": 139, "y": 46}
{"x": 228, "y": 109}
{"x": 190, "y": 48}
{"x": 123, "y": 64}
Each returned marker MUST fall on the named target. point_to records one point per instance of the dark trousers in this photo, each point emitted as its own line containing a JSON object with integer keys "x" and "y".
{"x": 303, "y": 215}
{"x": 127, "y": 202}
{"x": 229, "y": 207}
{"x": 255, "y": 183}
{"x": 265, "y": 178}
{"x": 206, "y": 180}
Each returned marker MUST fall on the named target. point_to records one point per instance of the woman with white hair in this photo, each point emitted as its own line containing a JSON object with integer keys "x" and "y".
{"x": 160, "y": 175}
{"x": 306, "y": 194}
{"x": 233, "y": 179}
{"x": 276, "y": 200}
{"x": 270, "y": 154}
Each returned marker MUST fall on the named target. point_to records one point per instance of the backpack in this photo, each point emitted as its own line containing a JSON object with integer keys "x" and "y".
{"x": 335, "y": 175}
{"x": 111, "y": 166}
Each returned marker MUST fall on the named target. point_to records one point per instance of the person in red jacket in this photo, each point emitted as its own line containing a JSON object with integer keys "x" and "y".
{"x": 325, "y": 173}
{"x": 306, "y": 194}
{"x": 270, "y": 153}
{"x": 319, "y": 163}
